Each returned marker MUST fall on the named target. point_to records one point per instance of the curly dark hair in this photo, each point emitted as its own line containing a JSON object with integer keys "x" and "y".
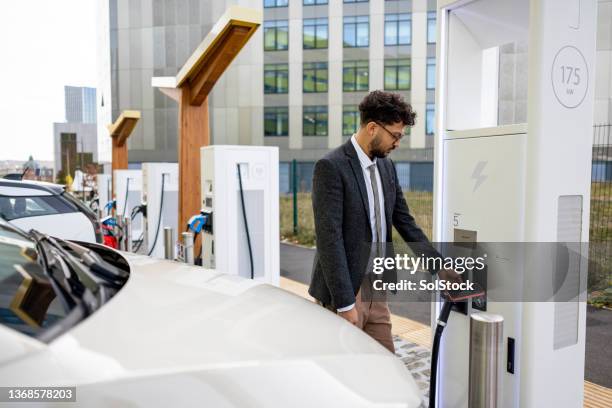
{"x": 386, "y": 108}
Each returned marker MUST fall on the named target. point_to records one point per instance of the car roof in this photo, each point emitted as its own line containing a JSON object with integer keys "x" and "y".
{"x": 41, "y": 187}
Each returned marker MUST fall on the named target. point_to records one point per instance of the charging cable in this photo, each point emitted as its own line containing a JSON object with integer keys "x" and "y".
{"x": 161, "y": 208}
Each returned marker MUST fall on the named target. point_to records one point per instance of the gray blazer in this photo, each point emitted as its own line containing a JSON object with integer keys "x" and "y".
{"x": 342, "y": 227}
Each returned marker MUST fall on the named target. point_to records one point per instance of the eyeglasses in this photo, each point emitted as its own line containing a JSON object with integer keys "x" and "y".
{"x": 396, "y": 136}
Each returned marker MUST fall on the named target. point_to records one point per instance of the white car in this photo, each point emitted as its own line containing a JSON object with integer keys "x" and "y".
{"x": 48, "y": 208}
{"x": 145, "y": 332}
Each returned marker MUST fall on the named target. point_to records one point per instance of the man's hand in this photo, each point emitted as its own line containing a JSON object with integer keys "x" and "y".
{"x": 449, "y": 275}
{"x": 350, "y": 315}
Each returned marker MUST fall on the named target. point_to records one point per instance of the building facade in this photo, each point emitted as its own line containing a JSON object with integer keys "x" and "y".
{"x": 75, "y": 141}
{"x": 141, "y": 39}
{"x": 296, "y": 84}
{"x": 321, "y": 57}
{"x": 80, "y": 104}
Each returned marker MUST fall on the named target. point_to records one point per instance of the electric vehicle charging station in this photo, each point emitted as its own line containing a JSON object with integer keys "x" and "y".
{"x": 105, "y": 191}
{"x": 228, "y": 197}
{"x": 513, "y": 159}
{"x": 128, "y": 193}
{"x": 160, "y": 193}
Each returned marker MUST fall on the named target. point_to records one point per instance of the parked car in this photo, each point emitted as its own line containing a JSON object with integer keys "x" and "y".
{"x": 130, "y": 330}
{"x": 48, "y": 208}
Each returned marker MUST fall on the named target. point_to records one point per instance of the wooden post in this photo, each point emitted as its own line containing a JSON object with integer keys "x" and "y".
{"x": 193, "y": 134}
{"x": 191, "y": 87}
{"x": 119, "y": 132}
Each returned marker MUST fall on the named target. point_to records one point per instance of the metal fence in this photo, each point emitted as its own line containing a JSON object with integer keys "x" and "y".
{"x": 600, "y": 236}
{"x": 413, "y": 176}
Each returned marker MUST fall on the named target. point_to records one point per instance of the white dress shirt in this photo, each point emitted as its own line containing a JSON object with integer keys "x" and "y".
{"x": 366, "y": 162}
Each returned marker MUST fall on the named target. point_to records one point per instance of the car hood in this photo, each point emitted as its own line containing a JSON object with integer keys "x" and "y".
{"x": 172, "y": 320}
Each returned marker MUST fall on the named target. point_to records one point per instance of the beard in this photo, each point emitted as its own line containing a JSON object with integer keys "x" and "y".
{"x": 376, "y": 148}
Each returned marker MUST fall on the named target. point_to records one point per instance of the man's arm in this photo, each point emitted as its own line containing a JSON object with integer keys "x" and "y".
{"x": 327, "y": 205}
{"x": 407, "y": 227}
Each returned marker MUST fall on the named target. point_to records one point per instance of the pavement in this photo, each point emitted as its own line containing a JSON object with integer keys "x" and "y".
{"x": 296, "y": 264}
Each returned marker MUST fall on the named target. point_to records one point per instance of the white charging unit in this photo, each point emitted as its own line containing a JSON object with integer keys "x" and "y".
{"x": 514, "y": 113}
{"x": 105, "y": 191}
{"x": 160, "y": 193}
{"x": 226, "y": 247}
{"x": 128, "y": 193}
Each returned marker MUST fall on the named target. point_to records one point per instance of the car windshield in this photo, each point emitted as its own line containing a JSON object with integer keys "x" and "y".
{"x": 28, "y": 302}
{"x": 20, "y": 207}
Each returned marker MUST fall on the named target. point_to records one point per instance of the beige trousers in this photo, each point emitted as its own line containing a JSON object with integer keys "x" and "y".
{"x": 374, "y": 319}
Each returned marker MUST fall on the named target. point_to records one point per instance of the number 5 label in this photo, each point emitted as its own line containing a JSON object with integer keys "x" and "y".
{"x": 570, "y": 77}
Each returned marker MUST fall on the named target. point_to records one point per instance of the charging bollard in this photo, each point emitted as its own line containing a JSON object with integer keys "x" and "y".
{"x": 188, "y": 247}
{"x": 486, "y": 346}
{"x": 168, "y": 243}
{"x": 127, "y": 237}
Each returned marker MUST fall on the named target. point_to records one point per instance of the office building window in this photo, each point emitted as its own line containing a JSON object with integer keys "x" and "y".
{"x": 355, "y": 76}
{"x": 315, "y": 77}
{"x": 275, "y": 3}
{"x": 429, "y": 118}
{"x": 398, "y": 29}
{"x": 314, "y": 2}
{"x": 315, "y": 121}
{"x": 276, "y": 35}
{"x": 397, "y": 74}
{"x": 431, "y": 73}
{"x": 276, "y": 121}
{"x": 431, "y": 27}
{"x": 350, "y": 119}
{"x": 356, "y": 31}
{"x": 315, "y": 33}
{"x": 276, "y": 78}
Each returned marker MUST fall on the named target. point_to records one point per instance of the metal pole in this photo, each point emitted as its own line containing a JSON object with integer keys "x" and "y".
{"x": 168, "y": 243}
{"x": 188, "y": 247}
{"x": 127, "y": 228}
{"x": 486, "y": 346}
{"x": 295, "y": 202}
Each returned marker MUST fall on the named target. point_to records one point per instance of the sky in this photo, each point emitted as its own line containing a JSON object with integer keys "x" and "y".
{"x": 44, "y": 45}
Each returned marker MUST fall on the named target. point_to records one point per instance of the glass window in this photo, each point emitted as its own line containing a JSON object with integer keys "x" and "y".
{"x": 355, "y": 76}
{"x": 275, "y": 3}
{"x": 350, "y": 119}
{"x": 429, "y": 118}
{"x": 431, "y": 27}
{"x": 356, "y": 31}
{"x": 397, "y": 74}
{"x": 315, "y": 33}
{"x": 398, "y": 29}
{"x": 276, "y": 78}
{"x": 315, "y": 77}
{"x": 20, "y": 207}
{"x": 276, "y": 121}
{"x": 315, "y": 121}
{"x": 431, "y": 73}
{"x": 356, "y": 1}
{"x": 313, "y": 2}
{"x": 276, "y": 35}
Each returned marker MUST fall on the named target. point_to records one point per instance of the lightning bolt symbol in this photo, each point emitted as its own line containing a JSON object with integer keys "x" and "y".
{"x": 477, "y": 175}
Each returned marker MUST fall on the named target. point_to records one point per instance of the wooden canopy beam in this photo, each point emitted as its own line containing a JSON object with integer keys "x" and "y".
{"x": 120, "y": 131}
{"x": 191, "y": 87}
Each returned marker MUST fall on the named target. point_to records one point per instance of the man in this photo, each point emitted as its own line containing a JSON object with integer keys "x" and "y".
{"x": 356, "y": 199}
